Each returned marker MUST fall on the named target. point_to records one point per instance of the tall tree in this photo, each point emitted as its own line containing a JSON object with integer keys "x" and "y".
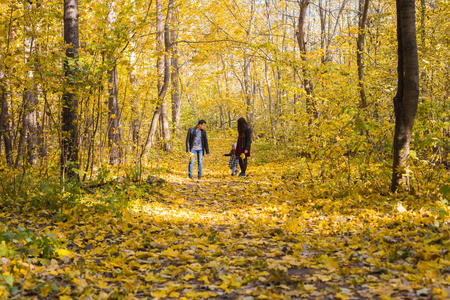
{"x": 406, "y": 99}
{"x": 247, "y": 67}
{"x": 307, "y": 85}
{"x": 6, "y": 125}
{"x": 113, "y": 101}
{"x": 176, "y": 100}
{"x": 362, "y": 12}
{"x": 69, "y": 139}
{"x": 135, "y": 106}
{"x": 113, "y": 117}
{"x": 28, "y": 132}
{"x": 163, "y": 69}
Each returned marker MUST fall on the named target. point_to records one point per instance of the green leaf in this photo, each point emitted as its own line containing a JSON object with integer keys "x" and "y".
{"x": 8, "y": 279}
{"x": 445, "y": 190}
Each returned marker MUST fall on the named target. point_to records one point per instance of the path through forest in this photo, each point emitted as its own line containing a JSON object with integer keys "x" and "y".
{"x": 271, "y": 235}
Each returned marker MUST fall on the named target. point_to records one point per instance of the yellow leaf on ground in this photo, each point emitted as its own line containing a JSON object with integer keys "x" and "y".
{"x": 170, "y": 253}
{"x": 159, "y": 294}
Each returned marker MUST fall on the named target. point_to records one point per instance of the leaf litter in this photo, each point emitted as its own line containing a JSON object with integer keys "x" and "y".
{"x": 227, "y": 238}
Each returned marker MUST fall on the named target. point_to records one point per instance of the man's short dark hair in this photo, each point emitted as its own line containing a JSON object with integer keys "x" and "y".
{"x": 201, "y": 122}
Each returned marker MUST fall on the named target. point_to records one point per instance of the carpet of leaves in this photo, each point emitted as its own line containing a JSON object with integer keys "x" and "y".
{"x": 261, "y": 237}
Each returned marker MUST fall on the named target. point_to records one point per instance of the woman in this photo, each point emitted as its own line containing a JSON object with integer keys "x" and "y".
{"x": 243, "y": 144}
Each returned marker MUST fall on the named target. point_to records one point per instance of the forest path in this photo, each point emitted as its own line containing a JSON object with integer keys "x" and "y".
{"x": 267, "y": 236}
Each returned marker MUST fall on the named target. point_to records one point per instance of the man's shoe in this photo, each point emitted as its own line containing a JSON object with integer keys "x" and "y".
{"x": 242, "y": 175}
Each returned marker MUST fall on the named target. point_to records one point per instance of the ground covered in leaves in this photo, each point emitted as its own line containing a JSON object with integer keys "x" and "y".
{"x": 271, "y": 235}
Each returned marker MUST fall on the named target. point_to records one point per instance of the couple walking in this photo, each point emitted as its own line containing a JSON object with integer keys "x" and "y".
{"x": 197, "y": 144}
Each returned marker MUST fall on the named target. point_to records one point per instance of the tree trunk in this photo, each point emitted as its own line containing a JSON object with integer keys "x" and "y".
{"x": 423, "y": 9}
{"x": 406, "y": 99}
{"x": 323, "y": 19}
{"x": 135, "y": 114}
{"x": 69, "y": 147}
{"x": 247, "y": 69}
{"x": 42, "y": 145}
{"x": 273, "y": 124}
{"x": 28, "y": 134}
{"x": 163, "y": 68}
{"x": 113, "y": 117}
{"x": 165, "y": 128}
{"x": 6, "y": 125}
{"x": 247, "y": 85}
{"x": 166, "y": 78}
{"x": 360, "y": 48}
{"x": 113, "y": 100}
{"x": 176, "y": 101}
{"x": 310, "y": 104}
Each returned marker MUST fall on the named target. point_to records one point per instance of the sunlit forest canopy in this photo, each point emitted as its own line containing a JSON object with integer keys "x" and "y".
{"x": 234, "y": 58}
{"x": 347, "y": 187}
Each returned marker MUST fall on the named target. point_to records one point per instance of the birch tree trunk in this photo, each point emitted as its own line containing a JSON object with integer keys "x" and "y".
{"x": 406, "y": 99}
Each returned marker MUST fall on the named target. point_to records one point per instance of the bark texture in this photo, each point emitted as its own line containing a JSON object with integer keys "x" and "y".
{"x": 406, "y": 99}
{"x": 307, "y": 85}
{"x": 113, "y": 116}
{"x": 176, "y": 99}
{"x": 363, "y": 8}
{"x": 69, "y": 139}
{"x": 163, "y": 69}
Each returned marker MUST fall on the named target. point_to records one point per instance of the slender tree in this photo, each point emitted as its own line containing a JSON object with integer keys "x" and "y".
{"x": 28, "y": 133}
{"x": 247, "y": 67}
{"x": 363, "y": 8}
{"x": 176, "y": 100}
{"x": 135, "y": 106}
{"x": 113, "y": 101}
{"x": 113, "y": 117}
{"x": 406, "y": 99}
{"x": 307, "y": 85}
{"x": 163, "y": 68}
{"x": 6, "y": 126}
{"x": 69, "y": 139}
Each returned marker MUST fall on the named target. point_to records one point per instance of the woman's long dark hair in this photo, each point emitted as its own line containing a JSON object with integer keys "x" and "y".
{"x": 242, "y": 126}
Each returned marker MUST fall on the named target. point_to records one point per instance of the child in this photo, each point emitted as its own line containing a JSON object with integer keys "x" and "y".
{"x": 234, "y": 160}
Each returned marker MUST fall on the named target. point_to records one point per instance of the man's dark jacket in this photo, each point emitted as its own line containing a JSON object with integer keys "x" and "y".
{"x": 190, "y": 140}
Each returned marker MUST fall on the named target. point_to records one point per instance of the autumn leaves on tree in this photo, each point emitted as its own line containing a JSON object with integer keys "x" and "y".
{"x": 286, "y": 63}
{"x": 348, "y": 183}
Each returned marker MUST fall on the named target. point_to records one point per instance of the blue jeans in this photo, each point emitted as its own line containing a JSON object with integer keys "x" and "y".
{"x": 199, "y": 155}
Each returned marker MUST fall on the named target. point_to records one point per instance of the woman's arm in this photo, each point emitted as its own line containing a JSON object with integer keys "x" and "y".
{"x": 248, "y": 138}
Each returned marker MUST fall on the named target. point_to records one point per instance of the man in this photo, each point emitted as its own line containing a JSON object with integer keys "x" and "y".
{"x": 197, "y": 144}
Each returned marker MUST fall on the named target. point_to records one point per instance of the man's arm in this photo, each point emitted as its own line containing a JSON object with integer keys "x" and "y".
{"x": 206, "y": 144}
{"x": 188, "y": 146}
